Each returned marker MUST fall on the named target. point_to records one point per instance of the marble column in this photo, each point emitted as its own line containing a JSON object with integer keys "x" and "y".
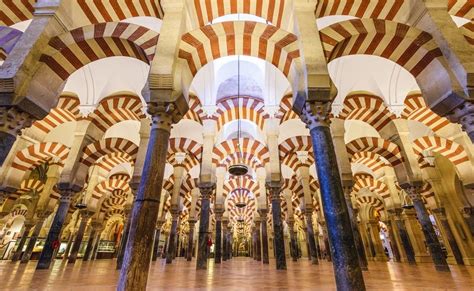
{"x": 374, "y": 237}
{"x": 310, "y": 236}
{"x": 189, "y": 255}
{"x": 263, "y": 217}
{"x": 393, "y": 243}
{"x": 206, "y": 191}
{"x": 279, "y": 241}
{"x": 79, "y": 235}
{"x": 172, "y": 247}
{"x": 12, "y": 121}
{"x": 229, "y": 243}
{"x": 139, "y": 247}
{"x": 218, "y": 240}
{"x": 327, "y": 248}
{"x": 293, "y": 246}
{"x": 32, "y": 242}
{"x": 70, "y": 238}
{"x": 441, "y": 214}
{"x": 405, "y": 239}
{"x": 125, "y": 232}
{"x": 346, "y": 266}
{"x": 53, "y": 236}
{"x": 95, "y": 225}
{"x": 24, "y": 236}
{"x": 355, "y": 229}
{"x": 156, "y": 242}
{"x": 428, "y": 230}
{"x": 258, "y": 241}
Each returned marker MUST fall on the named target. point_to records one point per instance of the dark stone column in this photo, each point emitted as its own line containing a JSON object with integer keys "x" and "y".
{"x": 430, "y": 235}
{"x": 125, "y": 233}
{"x": 189, "y": 255}
{"x": 92, "y": 239}
{"x": 80, "y": 234}
{"x": 310, "y": 236}
{"x": 275, "y": 189}
{"x": 263, "y": 216}
{"x": 165, "y": 247}
{"x": 393, "y": 243}
{"x": 229, "y": 243}
{"x": 326, "y": 241}
{"x": 32, "y": 242}
{"x": 26, "y": 231}
{"x": 441, "y": 214}
{"x": 259, "y": 242}
{"x": 68, "y": 246}
{"x": 346, "y": 262}
{"x": 172, "y": 246}
{"x": 218, "y": 244}
{"x": 53, "y": 235}
{"x": 355, "y": 229}
{"x": 156, "y": 243}
{"x": 12, "y": 121}
{"x": 405, "y": 239}
{"x": 293, "y": 246}
{"x": 468, "y": 215}
{"x": 139, "y": 247}
{"x": 206, "y": 191}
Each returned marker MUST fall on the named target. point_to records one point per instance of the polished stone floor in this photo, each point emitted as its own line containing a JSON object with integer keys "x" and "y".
{"x": 239, "y": 273}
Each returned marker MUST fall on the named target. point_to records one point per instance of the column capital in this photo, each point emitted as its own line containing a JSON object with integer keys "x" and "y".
{"x": 440, "y": 212}
{"x": 174, "y": 210}
{"x": 13, "y": 120}
{"x": 263, "y": 213}
{"x": 464, "y": 114}
{"x": 274, "y": 188}
{"x": 316, "y": 114}
{"x": 163, "y": 114}
{"x": 206, "y": 189}
{"x": 413, "y": 191}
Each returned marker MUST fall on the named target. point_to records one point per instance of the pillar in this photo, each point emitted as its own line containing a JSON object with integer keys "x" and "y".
{"x": 441, "y": 215}
{"x": 53, "y": 236}
{"x": 218, "y": 241}
{"x": 259, "y": 242}
{"x": 34, "y": 237}
{"x": 263, "y": 217}
{"x": 313, "y": 254}
{"x": 355, "y": 229}
{"x": 206, "y": 191}
{"x": 80, "y": 234}
{"x": 192, "y": 225}
{"x": 137, "y": 257}
{"x": 156, "y": 243}
{"x": 92, "y": 239}
{"x": 293, "y": 246}
{"x": 279, "y": 241}
{"x": 326, "y": 241}
{"x": 374, "y": 236}
{"x": 172, "y": 246}
{"x": 347, "y": 271}
{"x": 393, "y": 243}
{"x": 26, "y": 231}
{"x": 430, "y": 235}
{"x": 464, "y": 114}
{"x": 405, "y": 239}
{"x": 12, "y": 121}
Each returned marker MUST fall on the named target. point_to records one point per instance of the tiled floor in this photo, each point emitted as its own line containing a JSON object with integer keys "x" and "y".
{"x": 239, "y": 273}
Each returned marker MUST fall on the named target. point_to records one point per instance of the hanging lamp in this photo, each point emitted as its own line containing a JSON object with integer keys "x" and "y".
{"x": 240, "y": 168}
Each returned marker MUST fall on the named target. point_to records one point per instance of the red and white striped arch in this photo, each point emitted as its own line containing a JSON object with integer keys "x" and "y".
{"x": 367, "y": 108}
{"x": 168, "y": 184}
{"x": 285, "y": 111}
{"x": 96, "y": 150}
{"x": 114, "y": 213}
{"x": 461, "y": 8}
{"x": 389, "y": 150}
{"x": 14, "y": 11}
{"x": 117, "y": 181}
{"x": 244, "y": 182}
{"x": 452, "y": 151}
{"x": 27, "y": 186}
{"x": 263, "y": 41}
{"x": 371, "y": 160}
{"x": 417, "y": 110}
{"x": 368, "y": 182}
{"x": 71, "y": 51}
{"x": 277, "y": 12}
{"x": 67, "y": 110}
{"x": 185, "y": 145}
{"x": 381, "y": 9}
{"x": 117, "y": 108}
{"x": 116, "y": 10}
{"x": 292, "y": 161}
{"x": 295, "y": 144}
{"x": 228, "y": 147}
{"x": 187, "y": 186}
{"x": 246, "y": 158}
{"x": 248, "y": 108}
{"x": 111, "y": 160}
{"x": 195, "y": 111}
{"x": 37, "y": 154}
{"x": 405, "y": 45}
{"x": 370, "y": 200}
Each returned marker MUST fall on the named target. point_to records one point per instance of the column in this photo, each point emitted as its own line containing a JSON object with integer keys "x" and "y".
{"x": 293, "y": 246}
{"x": 327, "y": 248}
{"x": 206, "y": 191}
{"x": 279, "y": 241}
{"x": 174, "y": 228}
{"x": 218, "y": 244}
{"x": 137, "y": 257}
{"x": 405, "y": 239}
{"x": 263, "y": 216}
{"x": 441, "y": 215}
{"x": 156, "y": 243}
{"x": 93, "y": 236}
{"x": 259, "y": 242}
{"x": 192, "y": 225}
{"x": 355, "y": 230}
{"x": 34, "y": 237}
{"x": 12, "y": 121}
{"x": 80, "y": 234}
{"x": 464, "y": 114}
{"x": 69, "y": 244}
{"x": 310, "y": 236}
{"x": 53, "y": 236}
{"x": 229, "y": 243}
{"x": 393, "y": 243}
{"x": 26, "y": 231}
{"x": 374, "y": 236}
{"x": 430, "y": 235}
{"x": 347, "y": 271}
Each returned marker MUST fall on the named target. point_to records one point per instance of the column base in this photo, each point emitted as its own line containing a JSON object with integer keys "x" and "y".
{"x": 423, "y": 259}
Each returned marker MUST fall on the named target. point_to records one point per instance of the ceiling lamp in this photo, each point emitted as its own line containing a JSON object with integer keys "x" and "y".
{"x": 81, "y": 204}
{"x": 240, "y": 168}
{"x": 240, "y": 204}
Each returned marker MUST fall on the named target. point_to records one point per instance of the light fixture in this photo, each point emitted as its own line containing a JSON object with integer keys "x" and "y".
{"x": 81, "y": 203}
{"x": 240, "y": 204}
{"x": 240, "y": 168}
